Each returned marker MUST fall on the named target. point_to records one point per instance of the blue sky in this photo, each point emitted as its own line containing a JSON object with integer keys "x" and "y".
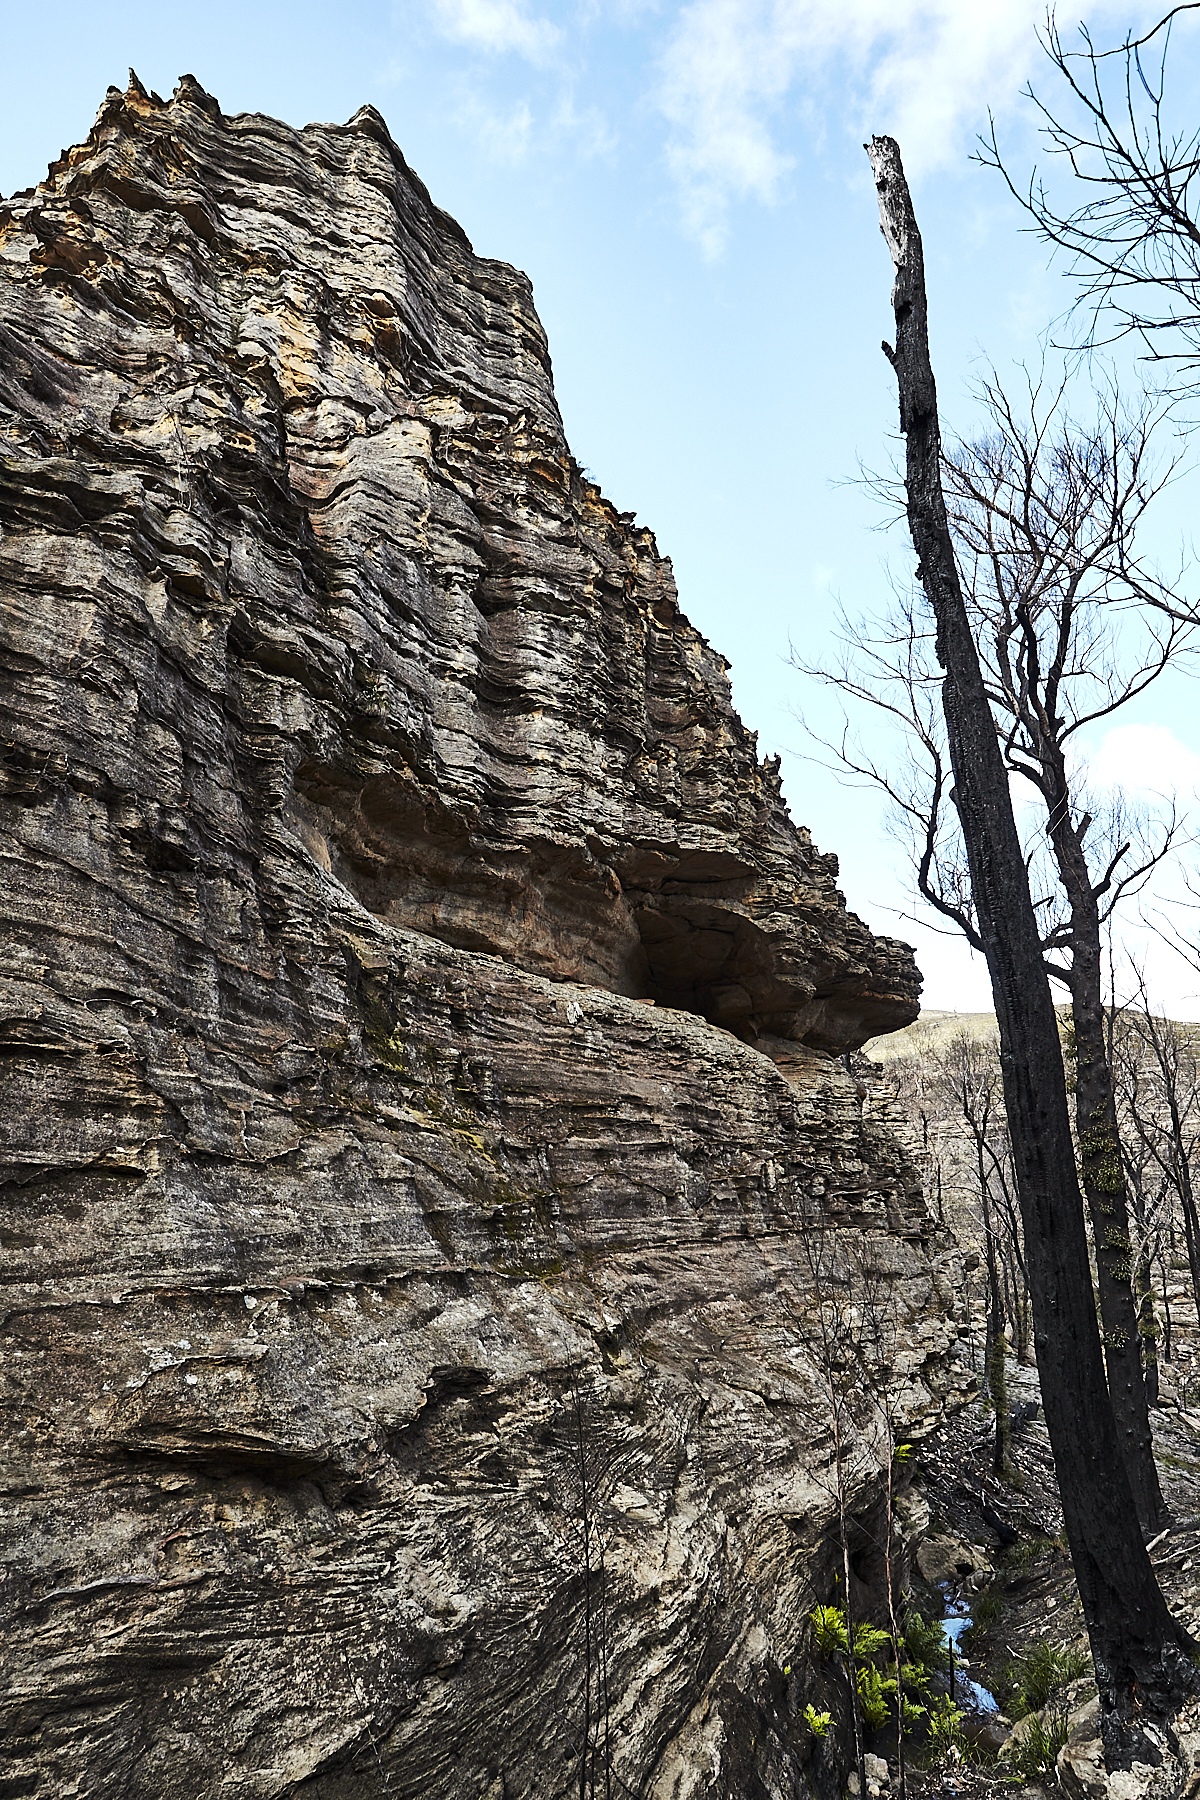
{"x": 686, "y": 186}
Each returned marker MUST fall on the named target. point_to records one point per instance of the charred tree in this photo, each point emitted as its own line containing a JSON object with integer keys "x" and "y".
{"x": 1141, "y": 1654}
{"x": 1160, "y": 1088}
{"x": 1044, "y": 513}
{"x": 1046, "y": 518}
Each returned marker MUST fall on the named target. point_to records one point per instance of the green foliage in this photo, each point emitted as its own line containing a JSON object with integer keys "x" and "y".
{"x": 912, "y": 1713}
{"x": 818, "y": 1722}
{"x": 1040, "y": 1674}
{"x": 874, "y": 1696}
{"x": 1034, "y": 1756}
{"x": 829, "y": 1624}
{"x": 945, "y": 1730}
{"x": 1022, "y": 1557}
{"x": 869, "y": 1640}
{"x": 925, "y": 1641}
{"x": 1101, "y": 1155}
{"x": 914, "y": 1678}
{"x": 1070, "y": 1049}
{"x": 880, "y": 1696}
{"x": 902, "y": 1454}
{"x": 986, "y": 1608}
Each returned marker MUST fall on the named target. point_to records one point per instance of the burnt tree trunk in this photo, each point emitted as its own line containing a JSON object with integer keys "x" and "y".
{"x": 1141, "y": 1654}
{"x": 1104, "y": 1189}
{"x": 1096, "y": 1128}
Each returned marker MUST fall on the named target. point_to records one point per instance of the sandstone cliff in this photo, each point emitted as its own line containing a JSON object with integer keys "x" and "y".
{"x": 406, "y": 1332}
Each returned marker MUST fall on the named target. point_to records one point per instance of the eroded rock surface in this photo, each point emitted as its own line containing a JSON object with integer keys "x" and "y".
{"x": 410, "y": 1372}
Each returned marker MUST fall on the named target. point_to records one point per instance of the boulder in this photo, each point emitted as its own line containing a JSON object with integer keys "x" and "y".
{"x": 946, "y": 1560}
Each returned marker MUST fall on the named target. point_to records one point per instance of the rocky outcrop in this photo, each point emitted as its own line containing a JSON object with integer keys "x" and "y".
{"x": 412, "y": 1382}
{"x": 307, "y": 442}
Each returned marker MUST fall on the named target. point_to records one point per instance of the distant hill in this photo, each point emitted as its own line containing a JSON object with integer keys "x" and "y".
{"x": 930, "y": 1032}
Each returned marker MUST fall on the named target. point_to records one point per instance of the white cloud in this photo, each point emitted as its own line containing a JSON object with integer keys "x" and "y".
{"x": 505, "y": 135}
{"x": 922, "y": 71}
{"x": 498, "y": 26}
{"x": 588, "y": 129}
{"x": 509, "y": 132}
{"x": 1145, "y": 760}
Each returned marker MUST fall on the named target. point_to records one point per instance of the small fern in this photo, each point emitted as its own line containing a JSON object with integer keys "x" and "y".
{"x": 829, "y": 1624}
{"x": 914, "y": 1678}
{"x": 911, "y": 1713}
{"x": 869, "y": 1640}
{"x": 873, "y": 1693}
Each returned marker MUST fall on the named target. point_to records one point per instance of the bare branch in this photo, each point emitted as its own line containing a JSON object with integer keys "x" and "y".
{"x": 1132, "y": 241}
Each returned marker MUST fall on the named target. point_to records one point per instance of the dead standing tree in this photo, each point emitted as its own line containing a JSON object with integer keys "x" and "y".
{"x": 943, "y": 1090}
{"x": 1160, "y": 1090}
{"x": 1045, "y": 515}
{"x": 1141, "y": 1654}
{"x": 972, "y": 1077}
{"x": 988, "y": 1125}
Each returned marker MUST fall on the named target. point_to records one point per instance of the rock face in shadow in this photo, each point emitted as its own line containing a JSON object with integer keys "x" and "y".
{"x": 413, "y": 1381}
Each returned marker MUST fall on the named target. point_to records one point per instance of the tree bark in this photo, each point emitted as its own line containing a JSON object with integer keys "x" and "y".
{"x": 1100, "y": 1163}
{"x": 1104, "y": 1189}
{"x": 1141, "y": 1654}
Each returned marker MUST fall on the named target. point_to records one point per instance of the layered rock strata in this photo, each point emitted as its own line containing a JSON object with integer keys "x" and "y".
{"x": 413, "y": 1360}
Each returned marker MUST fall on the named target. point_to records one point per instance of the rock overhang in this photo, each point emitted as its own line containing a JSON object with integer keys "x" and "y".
{"x": 510, "y": 734}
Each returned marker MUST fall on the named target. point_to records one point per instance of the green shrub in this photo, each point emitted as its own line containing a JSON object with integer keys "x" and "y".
{"x": 914, "y": 1678}
{"x": 1040, "y": 1674}
{"x": 986, "y": 1608}
{"x": 1021, "y": 1557}
{"x": 1035, "y": 1755}
{"x": 829, "y": 1624}
{"x": 818, "y": 1722}
{"x": 880, "y": 1694}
